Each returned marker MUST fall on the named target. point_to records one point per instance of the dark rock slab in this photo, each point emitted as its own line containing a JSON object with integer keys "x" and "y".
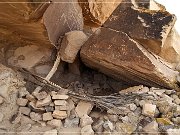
{"x": 149, "y": 27}
{"x": 116, "y": 54}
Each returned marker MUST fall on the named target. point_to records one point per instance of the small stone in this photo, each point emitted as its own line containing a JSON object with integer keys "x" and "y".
{"x": 62, "y": 97}
{"x": 51, "y": 132}
{"x": 173, "y": 132}
{"x": 126, "y": 128}
{"x": 26, "y": 120}
{"x": 132, "y": 107}
{"x": 149, "y": 110}
{"x": 55, "y": 123}
{"x": 30, "y": 97}
{"x": 177, "y": 101}
{"x": 35, "y": 116}
{"x": 23, "y": 92}
{"x": 1, "y": 100}
{"x": 40, "y": 95}
{"x": 60, "y": 102}
{"x": 33, "y": 107}
{"x": 25, "y": 110}
{"x": 44, "y": 102}
{"x": 87, "y": 130}
{"x": 83, "y": 108}
{"x": 22, "y": 102}
{"x": 144, "y": 90}
{"x": 85, "y": 120}
{"x": 59, "y": 114}
{"x": 164, "y": 121}
{"x": 1, "y": 117}
{"x": 108, "y": 125}
{"x": 47, "y": 116}
{"x": 71, "y": 122}
{"x": 151, "y": 128}
{"x": 133, "y": 89}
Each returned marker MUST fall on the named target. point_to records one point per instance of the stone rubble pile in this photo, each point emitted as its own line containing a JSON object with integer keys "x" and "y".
{"x": 158, "y": 113}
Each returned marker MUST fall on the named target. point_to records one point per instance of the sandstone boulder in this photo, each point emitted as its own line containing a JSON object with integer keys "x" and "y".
{"x": 117, "y": 55}
{"x": 148, "y": 27}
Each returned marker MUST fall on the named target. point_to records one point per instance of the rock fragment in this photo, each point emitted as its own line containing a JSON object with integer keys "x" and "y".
{"x": 61, "y": 97}
{"x": 24, "y": 110}
{"x": 40, "y": 95}
{"x": 149, "y": 110}
{"x": 83, "y": 108}
{"x": 55, "y": 123}
{"x": 47, "y": 116}
{"x": 60, "y": 102}
{"x": 71, "y": 45}
{"x": 22, "y": 101}
{"x": 108, "y": 126}
{"x": 71, "y": 123}
{"x": 59, "y": 114}
{"x": 35, "y": 116}
{"x": 87, "y": 130}
{"x": 85, "y": 120}
{"x": 44, "y": 102}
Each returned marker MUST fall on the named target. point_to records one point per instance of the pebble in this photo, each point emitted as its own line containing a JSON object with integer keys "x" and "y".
{"x": 47, "y": 116}
{"x": 85, "y": 120}
{"x": 87, "y": 130}
{"x": 62, "y": 107}
{"x": 33, "y": 107}
{"x": 59, "y": 114}
{"x": 125, "y": 128}
{"x": 164, "y": 121}
{"x": 25, "y": 110}
{"x": 44, "y": 102}
{"x": 55, "y": 123}
{"x": 22, "y": 101}
{"x": 112, "y": 117}
{"x": 23, "y": 92}
{"x": 26, "y": 120}
{"x": 83, "y": 108}
{"x": 176, "y": 120}
{"x": 149, "y": 110}
{"x": 132, "y": 107}
{"x": 98, "y": 126}
{"x": 71, "y": 123}
{"x": 51, "y": 132}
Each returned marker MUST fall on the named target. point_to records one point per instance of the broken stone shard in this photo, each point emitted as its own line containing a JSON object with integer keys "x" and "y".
{"x": 148, "y": 27}
{"x": 115, "y": 54}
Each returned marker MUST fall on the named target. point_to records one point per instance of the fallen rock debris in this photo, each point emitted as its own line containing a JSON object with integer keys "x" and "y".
{"x": 131, "y": 45}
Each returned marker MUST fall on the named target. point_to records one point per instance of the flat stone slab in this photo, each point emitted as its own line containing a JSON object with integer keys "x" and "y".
{"x": 116, "y": 54}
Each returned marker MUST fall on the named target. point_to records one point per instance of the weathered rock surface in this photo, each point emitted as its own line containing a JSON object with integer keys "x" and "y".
{"x": 61, "y": 18}
{"x": 96, "y": 12}
{"x": 117, "y": 55}
{"x": 71, "y": 45}
{"x": 149, "y": 27}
